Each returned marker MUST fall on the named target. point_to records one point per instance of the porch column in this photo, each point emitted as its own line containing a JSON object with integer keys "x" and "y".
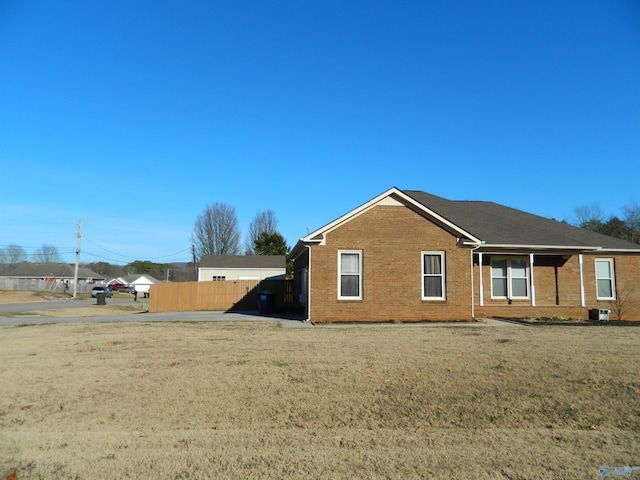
{"x": 481, "y": 285}
{"x": 533, "y": 283}
{"x": 582, "y": 300}
{"x": 309, "y": 286}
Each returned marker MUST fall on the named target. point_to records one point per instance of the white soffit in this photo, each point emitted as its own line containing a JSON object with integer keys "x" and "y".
{"x": 390, "y": 202}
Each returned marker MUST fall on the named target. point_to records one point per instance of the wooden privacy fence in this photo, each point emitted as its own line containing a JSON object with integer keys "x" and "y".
{"x": 238, "y": 295}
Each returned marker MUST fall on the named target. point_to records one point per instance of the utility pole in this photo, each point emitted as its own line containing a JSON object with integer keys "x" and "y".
{"x": 75, "y": 277}
{"x": 195, "y": 265}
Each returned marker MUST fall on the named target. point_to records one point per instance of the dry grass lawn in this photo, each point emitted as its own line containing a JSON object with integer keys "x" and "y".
{"x": 10, "y": 297}
{"x": 253, "y": 400}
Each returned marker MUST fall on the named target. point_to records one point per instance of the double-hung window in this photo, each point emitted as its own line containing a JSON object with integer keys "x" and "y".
{"x": 433, "y": 285}
{"x": 605, "y": 284}
{"x": 509, "y": 278}
{"x": 350, "y": 275}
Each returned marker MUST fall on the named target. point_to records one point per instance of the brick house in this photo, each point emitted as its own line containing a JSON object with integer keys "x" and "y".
{"x": 411, "y": 256}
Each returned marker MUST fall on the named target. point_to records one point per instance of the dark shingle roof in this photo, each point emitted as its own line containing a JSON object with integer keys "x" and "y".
{"x": 51, "y": 270}
{"x": 243, "y": 261}
{"x": 496, "y": 224}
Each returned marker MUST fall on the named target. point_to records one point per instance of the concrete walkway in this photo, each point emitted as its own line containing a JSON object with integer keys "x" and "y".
{"x": 484, "y": 322}
{"x": 492, "y": 322}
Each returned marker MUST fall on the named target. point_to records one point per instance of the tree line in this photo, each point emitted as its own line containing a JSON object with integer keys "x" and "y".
{"x": 591, "y": 217}
{"x": 14, "y": 254}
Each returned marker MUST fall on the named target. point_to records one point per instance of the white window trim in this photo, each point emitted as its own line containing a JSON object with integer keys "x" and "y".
{"x": 612, "y": 278}
{"x": 492, "y": 277}
{"x": 442, "y": 275}
{"x": 509, "y": 278}
{"x": 340, "y": 296}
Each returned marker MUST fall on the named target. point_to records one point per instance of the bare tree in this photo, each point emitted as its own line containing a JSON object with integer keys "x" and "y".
{"x": 589, "y": 217}
{"x": 632, "y": 219}
{"x": 15, "y": 254}
{"x": 264, "y": 222}
{"x": 625, "y": 297}
{"x": 216, "y": 231}
{"x": 47, "y": 254}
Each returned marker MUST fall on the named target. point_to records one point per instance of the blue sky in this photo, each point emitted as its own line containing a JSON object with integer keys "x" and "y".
{"x": 135, "y": 115}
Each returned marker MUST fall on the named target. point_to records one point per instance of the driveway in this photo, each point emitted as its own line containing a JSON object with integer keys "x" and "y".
{"x": 286, "y": 321}
{"x": 12, "y": 308}
{"x": 55, "y": 304}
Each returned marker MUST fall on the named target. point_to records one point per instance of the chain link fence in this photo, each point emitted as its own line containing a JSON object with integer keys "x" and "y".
{"x": 44, "y": 285}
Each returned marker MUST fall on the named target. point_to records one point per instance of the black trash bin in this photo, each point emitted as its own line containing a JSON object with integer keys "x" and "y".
{"x": 266, "y": 302}
{"x": 101, "y": 298}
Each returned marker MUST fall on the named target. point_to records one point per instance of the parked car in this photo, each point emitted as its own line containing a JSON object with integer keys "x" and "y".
{"x": 126, "y": 290}
{"x": 117, "y": 286}
{"x": 106, "y": 290}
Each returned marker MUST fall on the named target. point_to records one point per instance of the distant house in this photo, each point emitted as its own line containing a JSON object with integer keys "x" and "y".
{"x": 242, "y": 267}
{"x": 47, "y": 276}
{"x": 141, "y": 282}
{"x": 411, "y": 256}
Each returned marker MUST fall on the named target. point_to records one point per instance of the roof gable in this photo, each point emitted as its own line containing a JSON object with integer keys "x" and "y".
{"x": 393, "y": 196}
{"x": 139, "y": 278}
{"x": 483, "y": 224}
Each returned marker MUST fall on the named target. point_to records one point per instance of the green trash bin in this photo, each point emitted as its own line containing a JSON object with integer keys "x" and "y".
{"x": 101, "y": 298}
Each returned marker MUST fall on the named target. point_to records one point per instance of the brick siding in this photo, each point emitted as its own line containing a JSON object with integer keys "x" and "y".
{"x": 392, "y": 239}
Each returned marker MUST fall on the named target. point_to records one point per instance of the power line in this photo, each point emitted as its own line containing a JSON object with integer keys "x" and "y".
{"x": 85, "y": 253}
{"x": 136, "y": 258}
{"x": 67, "y": 250}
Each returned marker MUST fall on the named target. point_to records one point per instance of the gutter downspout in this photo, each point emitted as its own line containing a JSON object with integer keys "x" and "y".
{"x": 473, "y": 303}
{"x": 480, "y": 263}
{"x": 533, "y": 283}
{"x": 580, "y": 261}
{"x": 308, "y": 319}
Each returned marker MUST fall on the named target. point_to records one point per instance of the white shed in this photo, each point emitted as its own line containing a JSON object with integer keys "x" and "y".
{"x": 242, "y": 267}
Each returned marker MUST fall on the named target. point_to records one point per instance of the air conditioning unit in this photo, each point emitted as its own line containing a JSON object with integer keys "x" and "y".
{"x": 601, "y": 314}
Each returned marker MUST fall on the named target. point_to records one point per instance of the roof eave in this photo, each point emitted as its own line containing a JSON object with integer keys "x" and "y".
{"x": 553, "y": 248}
{"x": 542, "y": 247}
{"x": 620, "y": 250}
{"x": 299, "y": 247}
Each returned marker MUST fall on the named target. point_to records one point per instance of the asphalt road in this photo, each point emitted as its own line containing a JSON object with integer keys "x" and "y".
{"x": 28, "y": 307}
